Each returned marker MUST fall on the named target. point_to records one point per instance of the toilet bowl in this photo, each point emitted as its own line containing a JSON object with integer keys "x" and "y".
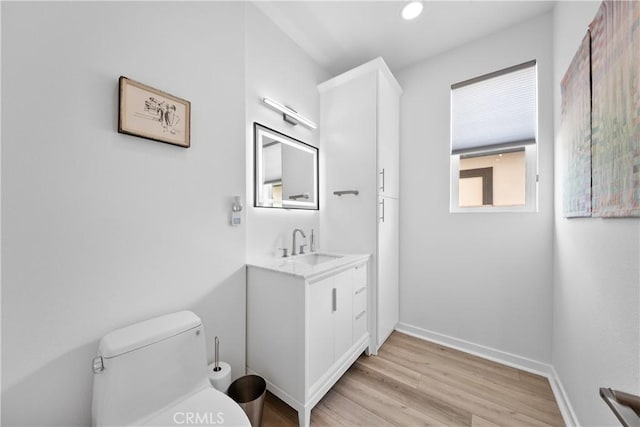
{"x": 155, "y": 373}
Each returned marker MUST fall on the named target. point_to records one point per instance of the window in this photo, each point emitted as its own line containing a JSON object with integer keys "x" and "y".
{"x": 494, "y": 125}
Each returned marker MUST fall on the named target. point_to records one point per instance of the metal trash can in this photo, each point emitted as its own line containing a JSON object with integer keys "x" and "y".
{"x": 249, "y": 392}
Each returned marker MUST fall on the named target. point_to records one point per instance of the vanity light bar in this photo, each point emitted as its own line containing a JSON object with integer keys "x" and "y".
{"x": 288, "y": 112}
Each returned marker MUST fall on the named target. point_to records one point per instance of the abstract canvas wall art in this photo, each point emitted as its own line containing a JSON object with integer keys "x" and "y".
{"x": 575, "y": 133}
{"x": 615, "y": 67}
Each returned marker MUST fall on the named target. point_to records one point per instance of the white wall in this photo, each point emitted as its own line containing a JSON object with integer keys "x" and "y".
{"x": 596, "y": 323}
{"x": 102, "y": 229}
{"x": 277, "y": 68}
{"x": 481, "y": 278}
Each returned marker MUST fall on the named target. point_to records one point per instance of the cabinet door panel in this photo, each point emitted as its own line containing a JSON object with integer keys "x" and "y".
{"x": 388, "y": 138}
{"x": 388, "y": 298}
{"x": 348, "y": 162}
{"x": 342, "y": 316}
{"x": 320, "y": 328}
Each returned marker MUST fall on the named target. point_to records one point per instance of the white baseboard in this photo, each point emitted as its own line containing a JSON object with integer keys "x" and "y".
{"x": 569, "y": 416}
{"x": 502, "y": 357}
{"x": 485, "y": 352}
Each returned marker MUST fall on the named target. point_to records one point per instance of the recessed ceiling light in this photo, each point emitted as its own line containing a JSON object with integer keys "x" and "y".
{"x": 412, "y": 10}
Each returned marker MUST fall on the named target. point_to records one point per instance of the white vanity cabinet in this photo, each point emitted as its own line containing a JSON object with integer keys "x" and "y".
{"x": 306, "y": 328}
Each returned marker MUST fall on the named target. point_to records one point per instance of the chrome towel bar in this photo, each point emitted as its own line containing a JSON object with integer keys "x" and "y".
{"x": 342, "y": 192}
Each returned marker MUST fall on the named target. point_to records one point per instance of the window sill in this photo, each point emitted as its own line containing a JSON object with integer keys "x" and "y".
{"x": 494, "y": 209}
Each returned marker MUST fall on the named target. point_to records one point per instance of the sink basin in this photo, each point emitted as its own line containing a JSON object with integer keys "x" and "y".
{"x": 315, "y": 259}
{"x": 309, "y": 265}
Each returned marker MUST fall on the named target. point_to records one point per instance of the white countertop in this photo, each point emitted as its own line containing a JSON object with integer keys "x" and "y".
{"x": 295, "y": 265}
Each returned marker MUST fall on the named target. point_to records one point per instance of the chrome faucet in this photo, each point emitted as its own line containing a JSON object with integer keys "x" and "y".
{"x": 293, "y": 250}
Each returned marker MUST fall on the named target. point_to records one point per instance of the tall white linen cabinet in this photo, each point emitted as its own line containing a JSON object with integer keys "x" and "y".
{"x": 359, "y": 152}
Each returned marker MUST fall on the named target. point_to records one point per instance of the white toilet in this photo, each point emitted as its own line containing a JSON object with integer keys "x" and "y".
{"x": 155, "y": 373}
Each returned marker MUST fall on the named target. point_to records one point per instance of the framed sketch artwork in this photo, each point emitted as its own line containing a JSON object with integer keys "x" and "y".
{"x": 150, "y": 113}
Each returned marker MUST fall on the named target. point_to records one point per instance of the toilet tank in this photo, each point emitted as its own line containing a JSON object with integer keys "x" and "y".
{"x": 144, "y": 367}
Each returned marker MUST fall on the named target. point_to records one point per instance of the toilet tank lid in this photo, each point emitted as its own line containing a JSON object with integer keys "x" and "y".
{"x": 148, "y": 332}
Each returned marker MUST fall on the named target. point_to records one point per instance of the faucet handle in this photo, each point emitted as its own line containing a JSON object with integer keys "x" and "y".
{"x": 312, "y": 242}
{"x": 284, "y": 252}
{"x": 302, "y": 249}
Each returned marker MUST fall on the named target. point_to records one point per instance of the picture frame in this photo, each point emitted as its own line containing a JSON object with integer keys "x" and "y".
{"x": 150, "y": 113}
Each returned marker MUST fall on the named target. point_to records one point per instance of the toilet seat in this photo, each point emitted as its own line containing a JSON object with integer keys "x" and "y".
{"x": 208, "y": 407}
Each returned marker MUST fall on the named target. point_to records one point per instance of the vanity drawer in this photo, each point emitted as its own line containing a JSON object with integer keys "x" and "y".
{"x": 359, "y": 298}
{"x": 360, "y": 276}
{"x": 359, "y": 308}
{"x": 359, "y": 324}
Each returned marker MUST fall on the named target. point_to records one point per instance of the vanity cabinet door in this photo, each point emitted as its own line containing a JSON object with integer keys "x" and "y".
{"x": 320, "y": 328}
{"x": 342, "y": 314}
{"x": 330, "y": 322}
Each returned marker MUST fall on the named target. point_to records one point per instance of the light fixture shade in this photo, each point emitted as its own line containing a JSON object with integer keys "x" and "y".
{"x": 412, "y": 10}
{"x": 288, "y": 112}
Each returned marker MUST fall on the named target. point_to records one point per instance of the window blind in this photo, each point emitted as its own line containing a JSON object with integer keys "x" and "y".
{"x": 495, "y": 111}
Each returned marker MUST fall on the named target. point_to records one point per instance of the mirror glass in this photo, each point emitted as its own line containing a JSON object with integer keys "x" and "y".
{"x": 286, "y": 171}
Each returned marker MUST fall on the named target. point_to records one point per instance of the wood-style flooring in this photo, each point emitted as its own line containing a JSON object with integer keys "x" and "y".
{"x": 414, "y": 383}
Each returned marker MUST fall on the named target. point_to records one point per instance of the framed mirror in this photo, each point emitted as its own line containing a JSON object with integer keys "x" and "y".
{"x": 286, "y": 171}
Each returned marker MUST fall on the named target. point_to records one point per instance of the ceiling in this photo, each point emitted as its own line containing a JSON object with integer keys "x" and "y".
{"x": 340, "y": 35}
